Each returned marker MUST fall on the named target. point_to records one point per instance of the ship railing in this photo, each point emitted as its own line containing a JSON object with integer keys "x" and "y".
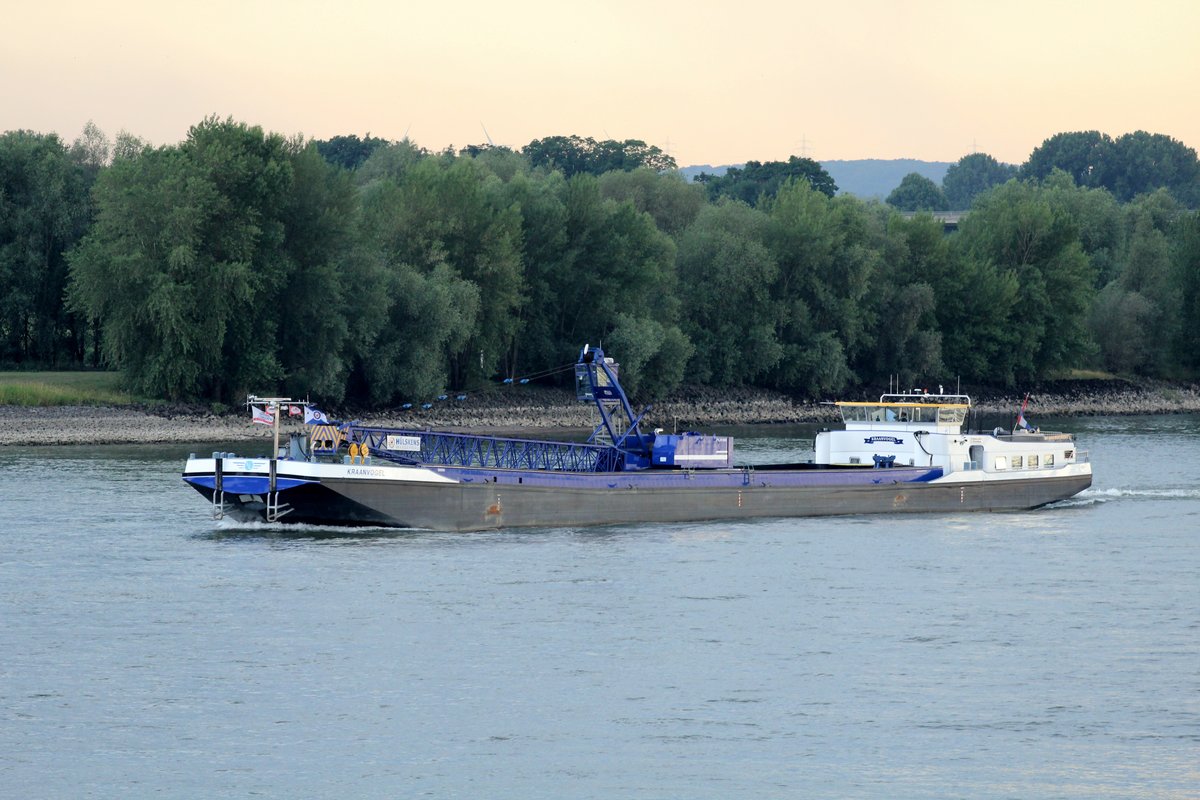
{"x": 494, "y": 452}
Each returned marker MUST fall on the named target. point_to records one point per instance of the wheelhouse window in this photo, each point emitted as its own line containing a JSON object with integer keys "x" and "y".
{"x": 875, "y": 413}
{"x": 952, "y": 416}
{"x": 921, "y": 414}
{"x": 856, "y": 413}
{"x": 903, "y": 412}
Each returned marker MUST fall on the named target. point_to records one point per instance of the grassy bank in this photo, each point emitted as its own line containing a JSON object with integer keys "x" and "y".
{"x": 85, "y": 388}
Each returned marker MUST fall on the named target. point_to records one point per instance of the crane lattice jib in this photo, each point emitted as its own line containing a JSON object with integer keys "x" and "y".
{"x": 467, "y": 450}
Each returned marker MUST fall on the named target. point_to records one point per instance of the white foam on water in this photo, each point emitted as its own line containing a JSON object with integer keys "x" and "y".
{"x": 229, "y": 525}
{"x": 1078, "y": 501}
{"x": 1116, "y": 492}
{"x": 1092, "y": 496}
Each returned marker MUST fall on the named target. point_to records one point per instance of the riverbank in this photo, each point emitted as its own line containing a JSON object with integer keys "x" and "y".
{"x": 542, "y": 413}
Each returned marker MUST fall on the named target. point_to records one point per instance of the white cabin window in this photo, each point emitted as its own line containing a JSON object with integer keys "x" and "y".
{"x": 1033, "y": 462}
{"x": 855, "y": 414}
{"x": 953, "y": 416}
{"x": 1001, "y": 462}
{"x": 1017, "y": 462}
{"x": 1048, "y": 461}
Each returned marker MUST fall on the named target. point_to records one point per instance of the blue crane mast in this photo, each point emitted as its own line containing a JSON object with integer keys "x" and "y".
{"x": 616, "y": 443}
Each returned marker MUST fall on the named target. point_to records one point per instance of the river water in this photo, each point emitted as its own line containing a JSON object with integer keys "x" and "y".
{"x": 146, "y": 650}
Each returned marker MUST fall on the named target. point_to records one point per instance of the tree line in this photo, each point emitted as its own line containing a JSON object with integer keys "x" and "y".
{"x": 369, "y": 271}
{"x": 1133, "y": 164}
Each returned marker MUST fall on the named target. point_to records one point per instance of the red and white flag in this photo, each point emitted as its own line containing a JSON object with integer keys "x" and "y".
{"x": 1021, "y": 421}
{"x": 261, "y": 415}
{"x": 295, "y": 411}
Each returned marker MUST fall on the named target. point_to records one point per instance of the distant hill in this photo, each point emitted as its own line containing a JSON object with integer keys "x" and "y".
{"x": 876, "y": 177}
{"x": 870, "y": 177}
{"x": 691, "y": 172}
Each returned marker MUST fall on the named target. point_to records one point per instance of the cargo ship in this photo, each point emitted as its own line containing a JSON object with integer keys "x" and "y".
{"x": 905, "y": 453}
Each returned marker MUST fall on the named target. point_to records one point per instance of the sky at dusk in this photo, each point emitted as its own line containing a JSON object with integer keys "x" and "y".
{"x": 709, "y": 82}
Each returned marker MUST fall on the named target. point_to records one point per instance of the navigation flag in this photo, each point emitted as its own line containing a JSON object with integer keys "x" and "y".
{"x": 261, "y": 415}
{"x": 1021, "y": 421}
{"x": 314, "y": 417}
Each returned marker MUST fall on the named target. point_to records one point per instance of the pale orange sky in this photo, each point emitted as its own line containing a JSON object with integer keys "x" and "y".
{"x": 709, "y": 82}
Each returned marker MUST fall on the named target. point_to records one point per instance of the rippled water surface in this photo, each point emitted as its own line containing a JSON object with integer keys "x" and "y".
{"x": 146, "y": 650}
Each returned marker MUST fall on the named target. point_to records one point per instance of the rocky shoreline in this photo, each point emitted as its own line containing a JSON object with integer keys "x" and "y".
{"x": 550, "y": 412}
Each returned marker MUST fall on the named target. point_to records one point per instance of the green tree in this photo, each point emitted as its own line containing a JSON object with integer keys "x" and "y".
{"x": 1185, "y": 259}
{"x": 1139, "y": 310}
{"x": 977, "y": 305}
{"x": 1099, "y": 218}
{"x": 454, "y": 212}
{"x": 329, "y": 298}
{"x": 615, "y": 270}
{"x": 542, "y": 198}
{"x": 503, "y": 162}
{"x": 570, "y": 155}
{"x": 573, "y": 155}
{"x": 827, "y": 257}
{"x": 972, "y": 175}
{"x": 1084, "y": 155}
{"x": 1135, "y": 163}
{"x": 44, "y": 210}
{"x": 1121, "y": 324}
{"x": 671, "y": 200}
{"x": 207, "y": 257}
{"x": 144, "y": 272}
{"x": 653, "y": 355}
{"x": 391, "y": 161}
{"x": 91, "y": 150}
{"x": 1143, "y": 162}
{"x": 1029, "y": 233}
{"x": 349, "y": 152}
{"x": 918, "y": 193}
{"x": 127, "y": 146}
{"x": 429, "y": 315}
{"x": 725, "y": 279}
{"x": 914, "y": 279}
{"x": 755, "y": 181}
{"x": 610, "y": 155}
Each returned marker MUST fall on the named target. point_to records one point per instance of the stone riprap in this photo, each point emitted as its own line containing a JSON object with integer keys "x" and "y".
{"x": 546, "y": 413}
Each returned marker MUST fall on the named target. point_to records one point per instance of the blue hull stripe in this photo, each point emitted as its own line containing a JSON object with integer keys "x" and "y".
{"x": 246, "y": 484}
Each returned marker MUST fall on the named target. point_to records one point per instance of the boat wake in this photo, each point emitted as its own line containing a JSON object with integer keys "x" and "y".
{"x": 1157, "y": 494}
{"x": 1078, "y": 501}
{"x": 229, "y": 528}
{"x": 1091, "y": 497}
